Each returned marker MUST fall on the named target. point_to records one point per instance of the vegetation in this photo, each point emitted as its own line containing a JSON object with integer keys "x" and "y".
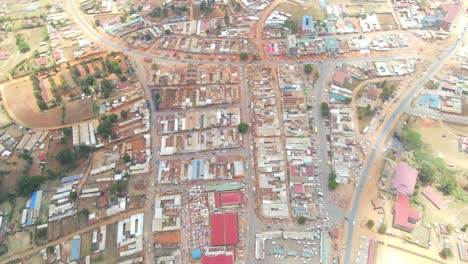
{"x": 332, "y": 183}
{"x": 23, "y": 46}
{"x": 113, "y": 118}
{"x": 84, "y": 151}
{"x": 113, "y": 67}
{"x": 3, "y": 249}
{"x": 65, "y": 157}
{"x": 72, "y": 196}
{"x": 325, "y": 109}
{"x": 387, "y": 89}
{"x": 301, "y": 220}
{"x": 446, "y": 253}
{"x": 244, "y": 56}
{"x": 123, "y": 114}
{"x": 38, "y": 92}
{"x": 126, "y": 158}
{"x": 243, "y": 128}
{"x": 40, "y": 234}
{"x": 205, "y": 7}
{"x": 431, "y": 85}
{"x": 105, "y": 127}
{"x": 365, "y": 112}
{"x": 448, "y": 184}
{"x": 370, "y": 223}
{"x": 291, "y": 25}
{"x": 154, "y": 66}
{"x": 28, "y": 184}
{"x": 25, "y": 155}
{"x": 308, "y": 69}
{"x": 106, "y": 87}
{"x": 118, "y": 187}
{"x": 383, "y": 228}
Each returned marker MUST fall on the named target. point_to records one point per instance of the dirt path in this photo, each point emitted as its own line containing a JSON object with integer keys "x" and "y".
{"x": 87, "y": 229}
{"x": 260, "y": 26}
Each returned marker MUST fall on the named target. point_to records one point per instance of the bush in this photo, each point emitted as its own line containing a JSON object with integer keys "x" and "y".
{"x": 123, "y": 114}
{"x": 325, "y": 109}
{"x": 383, "y": 228}
{"x": 332, "y": 183}
{"x": 126, "y": 158}
{"x": 244, "y": 56}
{"x": 301, "y": 220}
{"x": 308, "y": 69}
{"x": 243, "y": 128}
{"x": 446, "y": 253}
{"x": 28, "y": 184}
{"x": 291, "y": 25}
{"x": 370, "y": 223}
{"x": 448, "y": 184}
{"x": 65, "y": 156}
{"x": 3, "y": 249}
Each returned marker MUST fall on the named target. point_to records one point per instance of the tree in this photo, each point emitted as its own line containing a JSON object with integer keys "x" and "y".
{"x": 167, "y": 31}
{"x": 383, "y": 228}
{"x": 154, "y": 66}
{"x": 25, "y": 155}
{"x": 243, "y": 128}
{"x": 301, "y": 220}
{"x": 123, "y": 114}
{"x": 105, "y": 128}
{"x": 308, "y": 69}
{"x": 370, "y": 223}
{"x": 332, "y": 183}
{"x": 65, "y": 156}
{"x": 3, "y": 249}
{"x": 426, "y": 173}
{"x": 126, "y": 158}
{"x": 113, "y": 118}
{"x": 72, "y": 196}
{"x": 325, "y": 109}
{"x": 291, "y": 25}
{"x": 148, "y": 37}
{"x": 118, "y": 187}
{"x": 446, "y": 253}
{"x": 448, "y": 184}
{"x": 411, "y": 139}
{"x": 244, "y": 56}
{"x": 27, "y": 185}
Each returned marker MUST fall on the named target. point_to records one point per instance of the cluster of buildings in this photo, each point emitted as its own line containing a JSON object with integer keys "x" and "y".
{"x": 231, "y": 27}
{"x": 447, "y": 96}
{"x": 205, "y": 46}
{"x": 224, "y": 167}
{"x": 441, "y": 17}
{"x": 345, "y": 157}
{"x": 269, "y": 149}
{"x": 196, "y": 75}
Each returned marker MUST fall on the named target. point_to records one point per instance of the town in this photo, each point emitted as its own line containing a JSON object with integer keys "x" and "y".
{"x": 219, "y": 132}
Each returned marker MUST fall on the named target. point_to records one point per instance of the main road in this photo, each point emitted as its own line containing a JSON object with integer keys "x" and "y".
{"x": 403, "y": 104}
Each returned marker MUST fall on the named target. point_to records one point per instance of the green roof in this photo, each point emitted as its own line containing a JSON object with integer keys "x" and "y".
{"x": 225, "y": 187}
{"x": 331, "y": 42}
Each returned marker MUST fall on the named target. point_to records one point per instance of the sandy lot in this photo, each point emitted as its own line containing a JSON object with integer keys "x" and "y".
{"x": 22, "y": 107}
{"x": 390, "y": 255}
{"x": 443, "y": 140}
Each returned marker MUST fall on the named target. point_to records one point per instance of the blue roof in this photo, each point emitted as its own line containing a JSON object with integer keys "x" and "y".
{"x": 72, "y": 178}
{"x": 307, "y": 23}
{"x": 196, "y": 253}
{"x": 423, "y": 99}
{"x": 277, "y": 251}
{"x": 33, "y": 200}
{"x": 434, "y": 102}
{"x": 323, "y": 4}
{"x": 194, "y": 169}
{"x": 331, "y": 43}
{"x": 338, "y": 97}
{"x": 75, "y": 249}
{"x": 202, "y": 168}
{"x": 306, "y": 254}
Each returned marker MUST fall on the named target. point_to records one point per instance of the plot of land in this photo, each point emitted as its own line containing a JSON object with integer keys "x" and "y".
{"x": 390, "y": 255}
{"x": 297, "y": 11}
{"x": 22, "y": 107}
{"x": 443, "y": 140}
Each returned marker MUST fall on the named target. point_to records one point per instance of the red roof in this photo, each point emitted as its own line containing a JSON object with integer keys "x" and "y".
{"x": 453, "y": 10}
{"x": 124, "y": 85}
{"x": 42, "y": 156}
{"x": 370, "y": 253}
{"x": 405, "y": 178}
{"x": 4, "y": 55}
{"x": 224, "y": 229}
{"x": 439, "y": 203}
{"x": 336, "y": 232}
{"x": 57, "y": 54}
{"x": 42, "y": 60}
{"x": 403, "y": 213}
{"x": 341, "y": 76}
{"x": 301, "y": 170}
{"x": 220, "y": 259}
{"x": 228, "y": 198}
{"x": 298, "y": 188}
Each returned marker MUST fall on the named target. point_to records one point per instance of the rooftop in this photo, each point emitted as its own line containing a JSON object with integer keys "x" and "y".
{"x": 405, "y": 178}
{"x": 404, "y": 216}
{"x": 224, "y": 229}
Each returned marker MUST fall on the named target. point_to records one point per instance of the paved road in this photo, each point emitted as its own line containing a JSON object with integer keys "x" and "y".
{"x": 426, "y": 112}
{"x": 386, "y": 128}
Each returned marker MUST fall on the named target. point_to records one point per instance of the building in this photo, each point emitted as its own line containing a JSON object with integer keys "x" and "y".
{"x": 227, "y": 199}
{"x": 224, "y": 230}
{"x": 404, "y": 217}
{"x": 404, "y": 179}
{"x": 292, "y": 45}
{"x": 220, "y": 259}
{"x": 341, "y": 76}
{"x": 331, "y": 45}
{"x": 308, "y": 27}
{"x": 452, "y": 11}
{"x": 75, "y": 249}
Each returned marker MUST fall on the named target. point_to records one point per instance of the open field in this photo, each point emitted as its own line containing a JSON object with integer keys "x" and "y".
{"x": 297, "y": 11}
{"x": 391, "y": 255}
{"x": 5, "y": 119}
{"x": 28, "y": 114}
{"x": 443, "y": 140}
{"x": 18, "y": 242}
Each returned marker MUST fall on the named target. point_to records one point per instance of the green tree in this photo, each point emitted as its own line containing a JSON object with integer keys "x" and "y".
{"x": 244, "y": 56}
{"x": 291, "y": 25}
{"x": 27, "y": 185}
{"x": 325, "y": 109}
{"x": 411, "y": 139}
{"x": 448, "y": 184}
{"x": 308, "y": 69}
{"x": 123, "y": 114}
{"x": 446, "y": 253}
{"x": 383, "y": 228}
{"x": 25, "y": 155}
{"x": 426, "y": 173}
{"x": 370, "y": 223}
{"x": 72, "y": 196}
{"x": 243, "y": 128}
{"x": 332, "y": 183}
{"x": 118, "y": 187}
{"x": 126, "y": 158}
{"x": 113, "y": 118}
{"x": 65, "y": 156}
{"x": 154, "y": 66}
{"x": 301, "y": 220}
{"x": 3, "y": 249}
